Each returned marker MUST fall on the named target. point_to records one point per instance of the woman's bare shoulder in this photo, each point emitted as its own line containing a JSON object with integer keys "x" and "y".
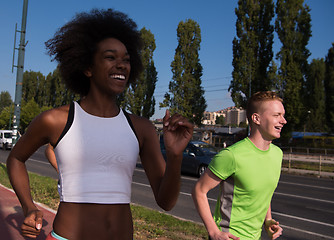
{"x": 50, "y": 123}
{"x": 141, "y": 123}
{"x": 144, "y": 127}
{"x": 55, "y": 116}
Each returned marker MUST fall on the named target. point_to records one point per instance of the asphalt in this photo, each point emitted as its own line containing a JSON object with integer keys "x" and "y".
{"x": 11, "y": 216}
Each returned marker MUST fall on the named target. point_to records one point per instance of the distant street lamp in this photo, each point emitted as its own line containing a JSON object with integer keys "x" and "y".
{"x": 307, "y": 120}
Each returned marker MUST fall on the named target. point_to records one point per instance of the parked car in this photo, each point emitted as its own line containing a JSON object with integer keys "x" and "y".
{"x": 6, "y": 139}
{"x": 196, "y": 156}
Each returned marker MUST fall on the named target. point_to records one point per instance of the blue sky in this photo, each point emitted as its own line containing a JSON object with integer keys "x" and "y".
{"x": 215, "y": 17}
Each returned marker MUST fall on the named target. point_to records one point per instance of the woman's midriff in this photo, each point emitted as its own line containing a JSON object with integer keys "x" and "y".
{"x": 93, "y": 221}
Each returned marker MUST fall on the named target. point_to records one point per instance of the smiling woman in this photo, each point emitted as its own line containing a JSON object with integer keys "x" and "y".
{"x": 111, "y": 69}
{"x": 96, "y": 143}
{"x": 74, "y": 45}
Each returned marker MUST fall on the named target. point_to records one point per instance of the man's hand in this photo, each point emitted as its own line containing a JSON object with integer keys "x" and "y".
{"x": 32, "y": 224}
{"x": 223, "y": 236}
{"x": 272, "y": 228}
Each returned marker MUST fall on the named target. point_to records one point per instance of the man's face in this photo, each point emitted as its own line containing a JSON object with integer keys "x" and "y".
{"x": 271, "y": 119}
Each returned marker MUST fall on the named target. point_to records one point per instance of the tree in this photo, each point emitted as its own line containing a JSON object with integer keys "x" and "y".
{"x": 186, "y": 93}
{"x": 252, "y": 50}
{"x": 139, "y": 97}
{"x": 5, "y": 100}
{"x": 62, "y": 94}
{"x": 30, "y": 85}
{"x": 46, "y": 91}
{"x": 220, "y": 120}
{"x": 294, "y": 31}
{"x": 6, "y": 117}
{"x": 315, "y": 96}
{"x": 29, "y": 111}
{"x": 329, "y": 89}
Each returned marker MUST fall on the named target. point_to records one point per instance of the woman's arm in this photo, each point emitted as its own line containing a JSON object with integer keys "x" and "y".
{"x": 41, "y": 131}
{"x": 164, "y": 176}
{"x": 50, "y": 155}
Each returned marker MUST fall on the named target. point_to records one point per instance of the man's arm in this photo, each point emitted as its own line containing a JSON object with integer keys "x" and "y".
{"x": 207, "y": 182}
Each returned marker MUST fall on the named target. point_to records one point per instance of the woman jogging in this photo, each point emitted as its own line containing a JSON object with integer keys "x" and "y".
{"x": 96, "y": 143}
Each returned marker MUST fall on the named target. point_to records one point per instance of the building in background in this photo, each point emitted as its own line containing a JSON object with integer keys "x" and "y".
{"x": 233, "y": 116}
{"x": 209, "y": 118}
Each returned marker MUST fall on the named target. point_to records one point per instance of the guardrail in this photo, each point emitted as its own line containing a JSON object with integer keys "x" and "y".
{"x": 309, "y": 151}
{"x": 321, "y": 165}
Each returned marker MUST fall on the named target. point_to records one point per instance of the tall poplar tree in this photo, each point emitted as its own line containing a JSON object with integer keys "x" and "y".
{"x": 139, "y": 97}
{"x": 315, "y": 96}
{"x": 329, "y": 89}
{"x": 293, "y": 26}
{"x": 30, "y": 85}
{"x": 252, "y": 50}
{"x": 186, "y": 93}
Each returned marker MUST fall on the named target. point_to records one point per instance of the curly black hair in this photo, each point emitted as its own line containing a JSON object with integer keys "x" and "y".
{"x": 74, "y": 45}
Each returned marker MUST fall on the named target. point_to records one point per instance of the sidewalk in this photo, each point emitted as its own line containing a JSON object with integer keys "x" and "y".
{"x": 11, "y": 216}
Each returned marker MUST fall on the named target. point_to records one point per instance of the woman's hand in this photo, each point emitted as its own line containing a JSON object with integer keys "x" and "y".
{"x": 32, "y": 224}
{"x": 178, "y": 132}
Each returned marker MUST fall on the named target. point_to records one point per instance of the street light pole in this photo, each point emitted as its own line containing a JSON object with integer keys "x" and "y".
{"x": 19, "y": 74}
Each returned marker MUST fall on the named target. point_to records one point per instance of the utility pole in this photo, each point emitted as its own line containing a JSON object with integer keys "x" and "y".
{"x": 249, "y": 96}
{"x": 19, "y": 75}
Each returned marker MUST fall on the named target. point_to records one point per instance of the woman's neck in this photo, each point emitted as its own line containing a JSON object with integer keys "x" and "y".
{"x": 101, "y": 107}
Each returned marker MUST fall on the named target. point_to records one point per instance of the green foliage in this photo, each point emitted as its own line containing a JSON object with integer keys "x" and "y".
{"x": 5, "y": 100}
{"x": 252, "y": 50}
{"x": 243, "y": 125}
{"x": 30, "y": 85}
{"x": 186, "y": 93}
{"x": 6, "y": 117}
{"x": 153, "y": 224}
{"x": 46, "y": 91}
{"x": 28, "y": 112}
{"x": 329, "y": 89}
{"x": 139, "y": 97}
{"x": 4, "y": 180}
{"x": 6, "y": 110}
{"x": 315, "y": 97}
{"x": 220, "y": 120}
{"x": 293, "y": 26}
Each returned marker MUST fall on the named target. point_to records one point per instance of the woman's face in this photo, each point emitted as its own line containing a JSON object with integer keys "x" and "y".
{"x": 111, "y": 67}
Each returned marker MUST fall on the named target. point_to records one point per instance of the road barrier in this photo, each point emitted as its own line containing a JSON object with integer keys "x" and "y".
{"x": 321, "y": 165}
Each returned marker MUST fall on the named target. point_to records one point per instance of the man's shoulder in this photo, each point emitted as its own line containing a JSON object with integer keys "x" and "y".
{"x": 239, "y": 145}
{"x": 275, "y": 148}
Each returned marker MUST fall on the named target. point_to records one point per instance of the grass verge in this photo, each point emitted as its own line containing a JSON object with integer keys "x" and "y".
{"x": 148, "y": 223}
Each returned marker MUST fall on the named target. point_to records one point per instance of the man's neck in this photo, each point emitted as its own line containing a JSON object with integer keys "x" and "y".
{"x": 259, "y": 141}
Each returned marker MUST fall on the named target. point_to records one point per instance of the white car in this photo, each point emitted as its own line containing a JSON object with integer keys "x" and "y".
{"x": 6, "y": 139}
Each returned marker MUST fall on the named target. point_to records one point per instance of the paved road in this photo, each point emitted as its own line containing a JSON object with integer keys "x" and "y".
{"x": 303, "y": 205}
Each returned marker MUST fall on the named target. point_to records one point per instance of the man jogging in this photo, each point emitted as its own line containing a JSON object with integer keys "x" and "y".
{"x": 248, "y": 173}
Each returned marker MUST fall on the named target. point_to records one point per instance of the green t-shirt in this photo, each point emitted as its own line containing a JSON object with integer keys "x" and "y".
{"x": 250, "y": 178}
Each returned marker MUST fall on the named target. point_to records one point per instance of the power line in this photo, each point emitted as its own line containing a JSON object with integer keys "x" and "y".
{"x": 217, "y": 90}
